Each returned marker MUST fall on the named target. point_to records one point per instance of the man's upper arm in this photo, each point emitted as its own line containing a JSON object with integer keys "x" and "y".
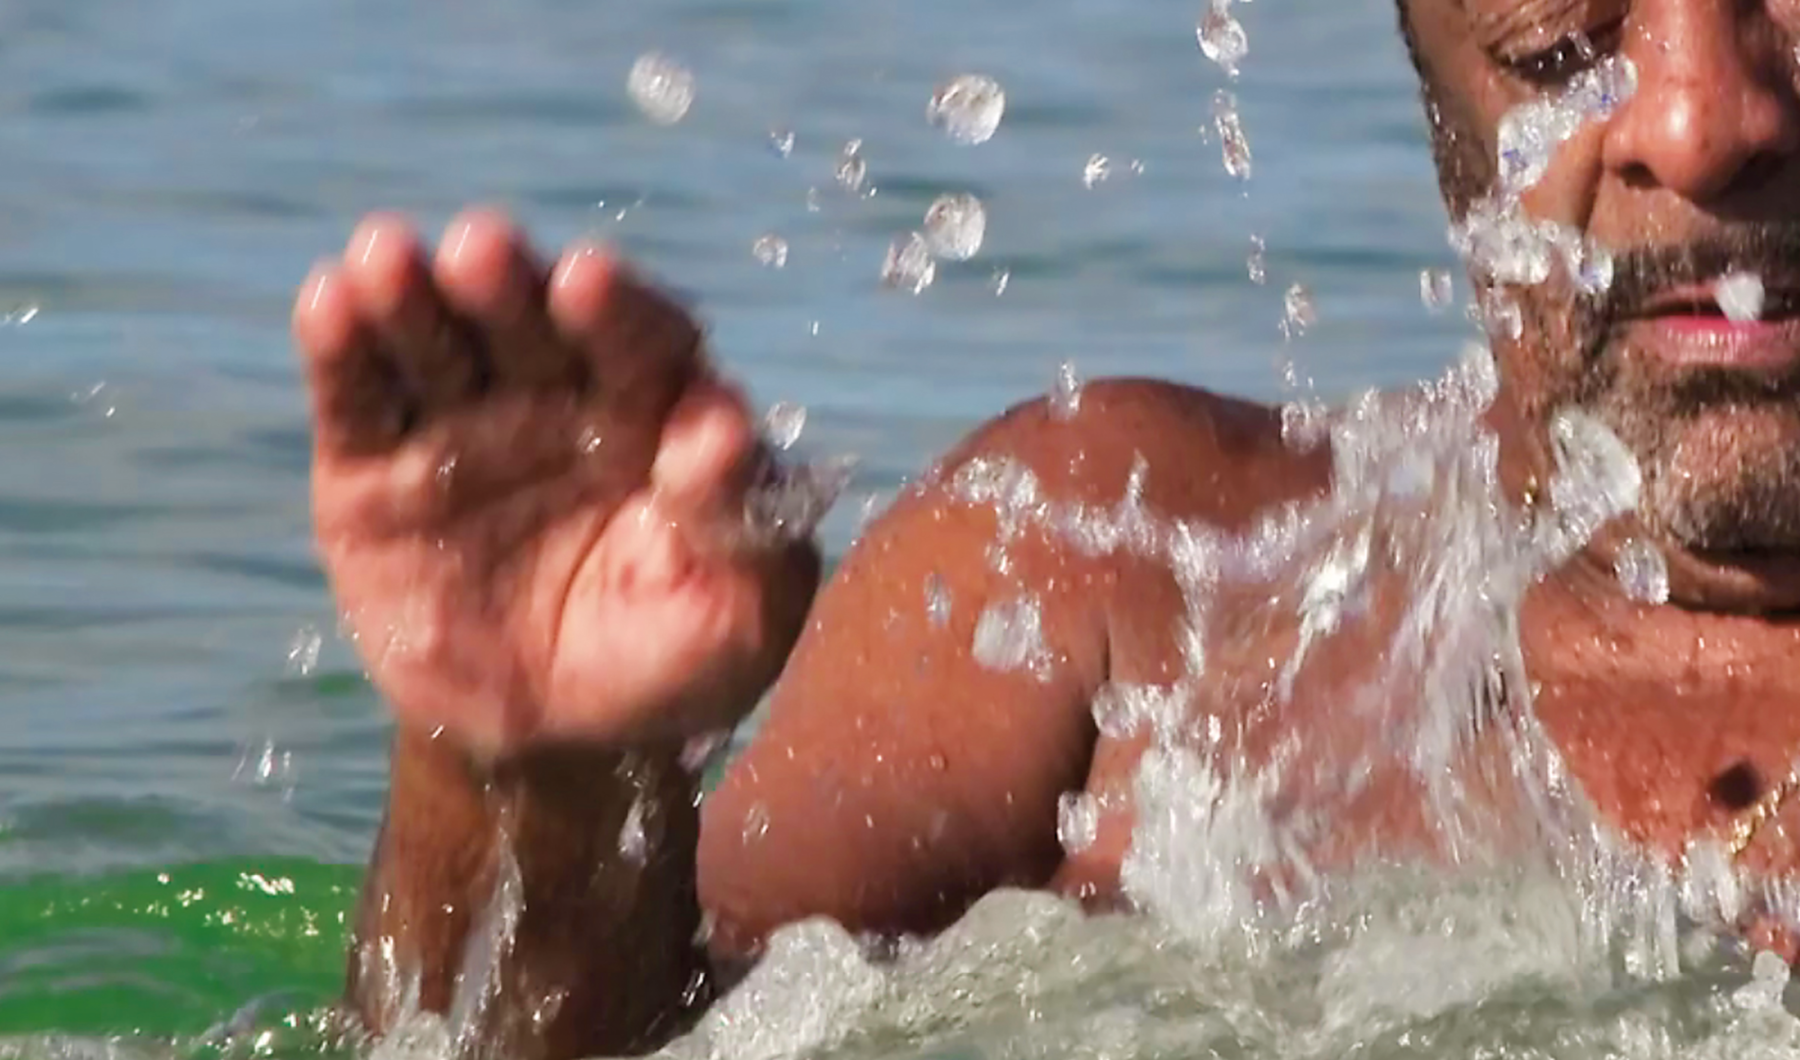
{"x": 898, "y": 777}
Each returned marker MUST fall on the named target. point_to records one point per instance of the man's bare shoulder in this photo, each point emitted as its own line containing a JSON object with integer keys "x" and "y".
{"x": 1195, "y": 453}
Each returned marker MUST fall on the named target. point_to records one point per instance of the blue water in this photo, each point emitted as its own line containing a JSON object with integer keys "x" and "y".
{"x": 173, "y": 167}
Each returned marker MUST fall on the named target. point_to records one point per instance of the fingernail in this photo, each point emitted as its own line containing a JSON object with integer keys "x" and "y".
{"x": 322, "y": 278}
{"x": 576, "y": 257}
{"x": 370, "y": 238}
{"x": 457, "y": 238}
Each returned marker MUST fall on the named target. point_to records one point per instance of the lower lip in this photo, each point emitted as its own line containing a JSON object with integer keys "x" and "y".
{"x": 1718, "y": 342}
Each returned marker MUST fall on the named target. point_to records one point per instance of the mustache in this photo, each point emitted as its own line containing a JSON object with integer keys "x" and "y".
{"x": 1640, "y": 274}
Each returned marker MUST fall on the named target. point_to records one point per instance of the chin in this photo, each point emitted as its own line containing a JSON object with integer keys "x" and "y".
{"x": 1723, "y": 480}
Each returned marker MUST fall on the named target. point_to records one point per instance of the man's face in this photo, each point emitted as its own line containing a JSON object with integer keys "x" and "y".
{"x": 1695, "y": 177}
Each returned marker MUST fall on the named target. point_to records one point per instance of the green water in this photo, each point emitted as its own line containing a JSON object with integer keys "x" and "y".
{"x": 169, "y": 954}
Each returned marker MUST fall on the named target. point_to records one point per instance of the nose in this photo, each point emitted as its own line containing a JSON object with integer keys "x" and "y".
{"x": 1716, "y": 109}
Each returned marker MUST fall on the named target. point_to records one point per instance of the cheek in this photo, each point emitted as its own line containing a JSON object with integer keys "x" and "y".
{"x": 1461, "y": 150}
{"x": 1569, "y": 192}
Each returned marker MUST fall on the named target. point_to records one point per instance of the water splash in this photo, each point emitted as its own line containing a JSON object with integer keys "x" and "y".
{"x": 1497, "y": 237}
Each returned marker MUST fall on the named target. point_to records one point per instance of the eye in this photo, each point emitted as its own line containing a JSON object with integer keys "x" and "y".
{"x": 1561, "y": 62}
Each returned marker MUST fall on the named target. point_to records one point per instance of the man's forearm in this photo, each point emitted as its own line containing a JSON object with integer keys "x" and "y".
{"x": 547, "y": 905}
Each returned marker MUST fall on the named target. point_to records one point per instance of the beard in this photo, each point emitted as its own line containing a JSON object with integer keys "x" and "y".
{"x": 1719, "y": 454}
{"x": 1718, "y": 448}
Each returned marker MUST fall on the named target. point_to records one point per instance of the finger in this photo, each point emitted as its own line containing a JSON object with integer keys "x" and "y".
{"x": 436, "y": 351}
{"x": 641, "y": 347}
{"x": 359, "y": 402}
{"x": 708, "y": 450}
{"x": 490, "y": 277}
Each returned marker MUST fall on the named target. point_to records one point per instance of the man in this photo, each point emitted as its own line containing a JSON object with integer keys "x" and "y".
{"x": 529, "y": 490}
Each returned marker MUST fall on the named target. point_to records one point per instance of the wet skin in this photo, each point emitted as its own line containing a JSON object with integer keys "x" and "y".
{"x": 529, "y": 481}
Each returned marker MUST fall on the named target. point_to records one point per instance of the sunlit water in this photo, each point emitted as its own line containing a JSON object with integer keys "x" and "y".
{"x": 899, "y": 217}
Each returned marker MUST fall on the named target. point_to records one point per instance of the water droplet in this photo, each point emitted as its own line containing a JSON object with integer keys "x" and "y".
{"x": 1077, "y": 821}
{"x": 1642, "y": 572}
{"x": 446, "y": 472}
{"x": 1298, "y": 312}
{"x": 1234, "y": 146}
{"x": 790, "y": 505}
{"x": 1436, "y": 288}
{"x": 1009, "y": 635}
{"x": 661, "y": 87}
{"x": 909, "y": 265}
{"x": 634, "y": 842}
{"x": 1257, "y": 264}
{"x": 1065, "y": 394}
{"x": 756, "y": 823}
{"x": 303, "y": 650}
{"x": 770, "y": 250}
{"x": 1530, "y": 133}
{"x": 1740, "y": 297}
{"x": 937, "y": 601}
{"x": 967, "y": 108}
{"x": 955, "y": 226}
{"x": 782, "y": 140}
{"x": 1304, "y": 424}
{"x": 1502, "y": 317}
{"x": 1590, "y": 265}
{"x": 1098, "y": 168}
{"x": 852, "y": 170}
{"x": 1596, "y": 478}
{"x": 1222, "y": 38}
{"x": 1001, "y": 278}
{"x": 265, "y": 765}
{"x": 783, "y": 423}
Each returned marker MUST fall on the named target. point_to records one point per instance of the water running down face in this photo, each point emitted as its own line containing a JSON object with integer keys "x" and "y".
{"x": 1695, "y": 177}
